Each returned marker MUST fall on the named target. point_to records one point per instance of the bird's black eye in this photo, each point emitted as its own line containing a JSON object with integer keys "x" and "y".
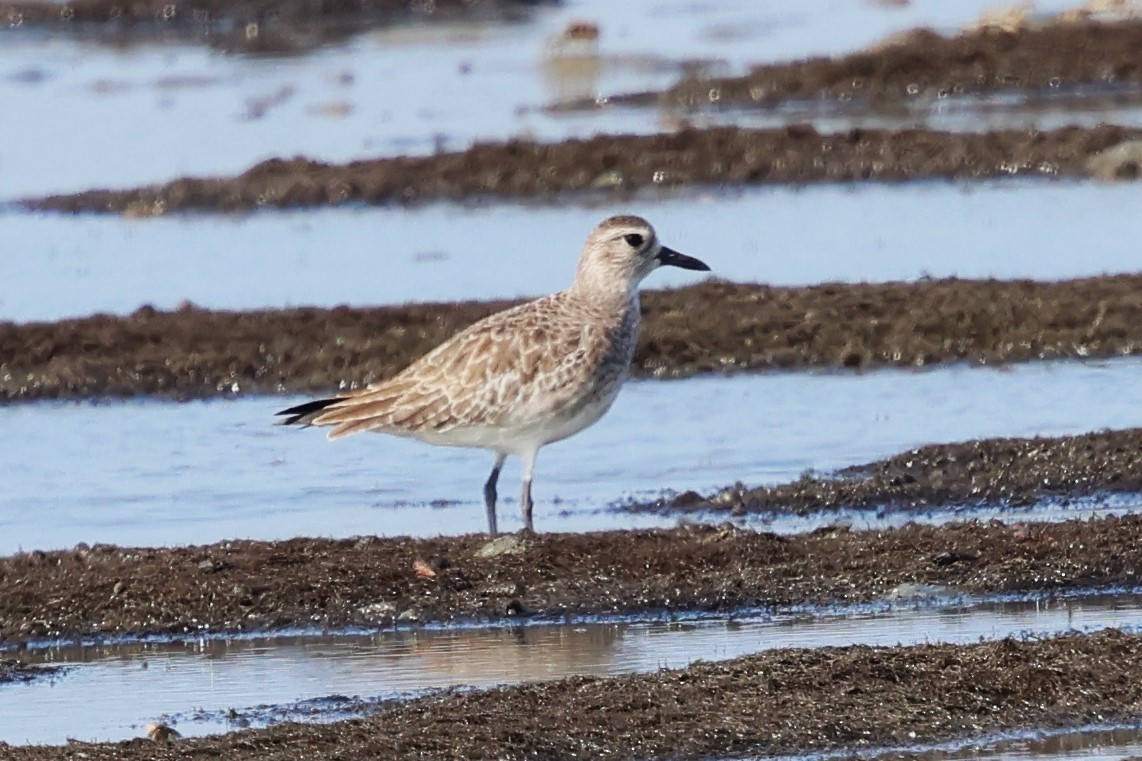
{"x": 634, "y": 239}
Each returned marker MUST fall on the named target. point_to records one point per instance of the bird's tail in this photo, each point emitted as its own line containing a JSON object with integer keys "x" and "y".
{"x": 304, "y": 414}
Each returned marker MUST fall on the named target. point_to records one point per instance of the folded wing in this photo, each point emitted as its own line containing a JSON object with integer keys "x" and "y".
{"x": 507, "y": 369}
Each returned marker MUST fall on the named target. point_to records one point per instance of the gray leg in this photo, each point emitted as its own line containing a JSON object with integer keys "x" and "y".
{"x": 525, "y": 497}
{"x": 525, "y": 505}
{"x": 490, "y": 493}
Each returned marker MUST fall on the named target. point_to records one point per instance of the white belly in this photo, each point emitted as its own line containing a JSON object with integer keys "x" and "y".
{"x": 529, "y": 436}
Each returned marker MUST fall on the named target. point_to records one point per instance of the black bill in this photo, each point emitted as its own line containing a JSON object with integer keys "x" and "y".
{"x": 671, "y": 258}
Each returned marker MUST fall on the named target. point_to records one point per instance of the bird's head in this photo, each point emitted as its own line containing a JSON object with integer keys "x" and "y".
{"x": 622, "y": 250}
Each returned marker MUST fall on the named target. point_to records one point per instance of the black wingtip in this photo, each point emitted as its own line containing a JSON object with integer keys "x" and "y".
{"x": 299, "y": 413}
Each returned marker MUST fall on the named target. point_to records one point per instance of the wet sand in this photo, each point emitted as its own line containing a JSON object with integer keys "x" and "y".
{"x": 614, "y": 167}
{"x": 984, "y": 472}
{"x": 778, "y": 702}
{"x": 714, "y": 327}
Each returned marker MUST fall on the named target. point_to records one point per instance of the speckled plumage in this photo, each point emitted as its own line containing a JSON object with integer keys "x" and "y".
{"x": 524, "y": 377}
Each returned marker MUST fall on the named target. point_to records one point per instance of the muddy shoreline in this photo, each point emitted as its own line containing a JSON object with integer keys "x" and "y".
{"x": 778, "y": 702}
{"x": 251, "y": 586}
{"x": 715, "y": 327}
{"x": 1003, "y": 471}
{"x": 615, "y": 167}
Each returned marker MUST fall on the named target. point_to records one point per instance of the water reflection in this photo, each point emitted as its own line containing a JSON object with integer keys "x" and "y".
{"x": 115, "y": 690}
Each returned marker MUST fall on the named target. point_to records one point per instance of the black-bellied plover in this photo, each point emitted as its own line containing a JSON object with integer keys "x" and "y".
{"x": 524, "y": 377}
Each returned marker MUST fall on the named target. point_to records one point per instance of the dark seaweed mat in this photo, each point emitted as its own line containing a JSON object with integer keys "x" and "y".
{"x": 715, "y": 327}
{"x": 264, "y": 586}
{"x": 1003, "y": 472}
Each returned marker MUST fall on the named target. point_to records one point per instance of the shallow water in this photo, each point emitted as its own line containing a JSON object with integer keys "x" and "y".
{"x": 363, "y": 256}
{"x": 1098, "y": 742}
{"x": 1094, "y": 744}
{"x": 155, "y": 473}
{"x": 113, "y": 691}
{"x": 97, "y": 116}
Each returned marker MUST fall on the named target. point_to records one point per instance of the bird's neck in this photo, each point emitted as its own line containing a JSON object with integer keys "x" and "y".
{"x": 603, "y": 285}
{"x": 611, "y": 298}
